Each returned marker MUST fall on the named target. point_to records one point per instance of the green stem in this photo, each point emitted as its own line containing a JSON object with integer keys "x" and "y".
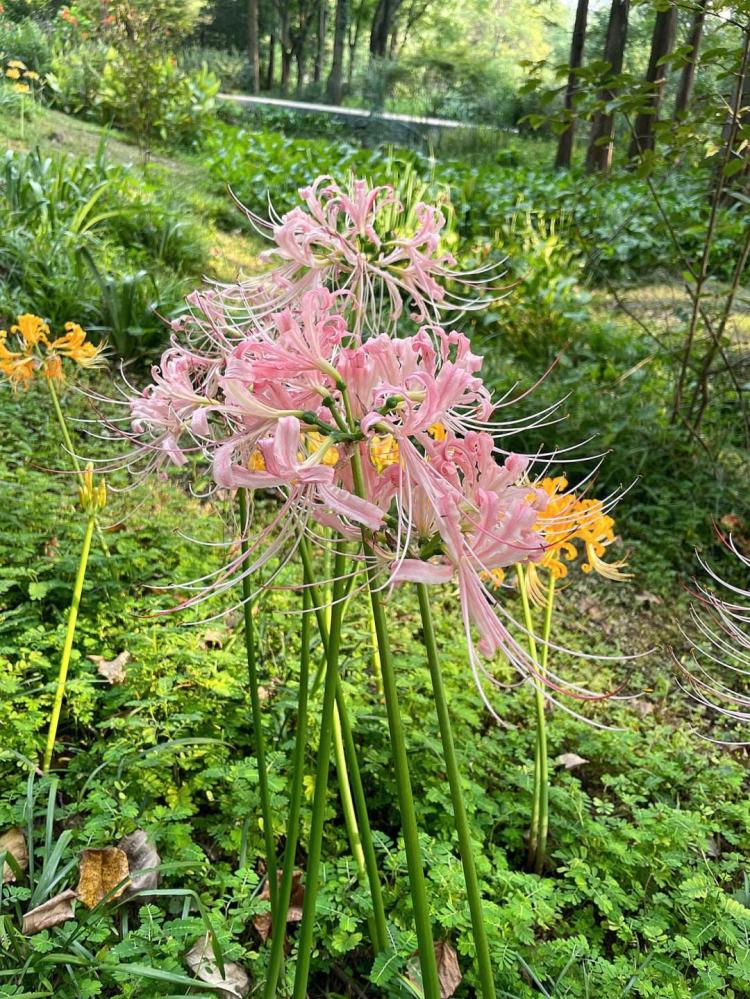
{"x": 68, "y": 441}
{"x": 540, "y": 807}
{"x": 295, "y": 804}
{"x": 427, "y": 961}
{"x": 378, "y": 929}
{"x": 259, "y": 743}
{"x": 315, "y": 846}
{"x": 68, "y": 647}
{"x": 459, "y": 810}
{"x": 543, "y": 825}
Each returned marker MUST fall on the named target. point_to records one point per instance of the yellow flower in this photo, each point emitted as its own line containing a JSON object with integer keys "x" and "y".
{"x": 558, "y": 524}
{"x": 75, "y": 346}
{"x": 13, "y": 73}
{"x": 16, "y": 64}
{"x": 383, "y": 451}
{"x": 32, "y": 329}
{"x": 493, "y": 577}
{"x": 17, "y": 367}
{"x": 437, "y": 431}
{"x": 597, "y": 533}
{"x": 30, "y": 75}
{"x": 21, "y": 88}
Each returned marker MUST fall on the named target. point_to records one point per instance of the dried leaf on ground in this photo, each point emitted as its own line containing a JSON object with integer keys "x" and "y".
{"x": 212, "y": 639}
{"x": 112, "y": 669}
{"x": 262, "y": 922}
{"x": 57, "y": 910}
{"x": 142, "y": 856}
{"x": 570, "y": 760}
{"x": 233, "y": 984}
{"x": 99, "y": 873}
{"x": 13, "y": 842}
{"x": 449, "y": 971}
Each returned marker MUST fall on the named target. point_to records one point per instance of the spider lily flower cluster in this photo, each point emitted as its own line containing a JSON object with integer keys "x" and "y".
{"x": 37, "y": 353}
{"x": 382, "y": 443}
{"x": 719, "y": 658}
{"x": 294, "y": 401}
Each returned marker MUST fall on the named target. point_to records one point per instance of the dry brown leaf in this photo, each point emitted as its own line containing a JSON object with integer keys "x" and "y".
{"x": 99, "y": 873}
{"x": 13, "y": 842}
{"x": 449, "y": 972}
{"x": 112, "y": 669}
{"x": 233, "y": 984}
{"x": 646, "y": 598}
{"x": 262, "y": 923}
{"x": 570, "y": 760}
{"x": 57, "y": 910}
{"x": 141, "y": 854}
{"x": 212, "y": 639}
{"x": 50, "y": 547}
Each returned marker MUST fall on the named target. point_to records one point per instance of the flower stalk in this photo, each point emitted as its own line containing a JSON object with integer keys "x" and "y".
{"x": 279, "y": 918}
{"x": 257, "y": 716}
{"x": 68, "y": 646}
{"x": 459, "y": 809}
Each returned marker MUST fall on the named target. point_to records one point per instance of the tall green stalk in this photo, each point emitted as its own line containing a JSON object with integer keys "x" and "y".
{"x": 420, "y": 904}
{"x": 459, "y": 810}
{"x": 378, "y": 929}
{"x": 278, "y": 928}
{"x": 68, "y": 441}
{"x": 257, "y": 716}
{"x": 540, "y": 807}
{"x": 315, "y": 846}
{"x": 68, "y": 647}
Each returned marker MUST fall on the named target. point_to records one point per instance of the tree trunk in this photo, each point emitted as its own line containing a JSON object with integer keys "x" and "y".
{"x": 334, "y": 88}
{"x": 687, "y": 76}
{"x": 354, "y": 31}
{"x": 602, "y": 140}
{"x": 662, "y": 42}
{"x": 252, "y": 46}
{"x": 321, "y": 40}
{"x": 382, "y": 25}
{"x": 565, "y": 142}
{"x": 271, "y": 65}
{"x": 286, "y": 48}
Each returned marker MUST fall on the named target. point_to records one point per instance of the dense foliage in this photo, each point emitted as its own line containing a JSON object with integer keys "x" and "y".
{"x": 644, "y": 894}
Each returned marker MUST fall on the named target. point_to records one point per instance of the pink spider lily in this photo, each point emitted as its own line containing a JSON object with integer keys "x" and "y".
{"x": 361, "y": 240}
{"x": 721, "y": 649}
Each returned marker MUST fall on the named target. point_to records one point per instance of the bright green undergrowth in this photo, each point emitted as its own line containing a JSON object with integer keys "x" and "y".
{"x": 645, "y": 893}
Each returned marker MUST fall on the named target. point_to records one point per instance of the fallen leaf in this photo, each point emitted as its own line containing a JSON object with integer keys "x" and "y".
{"x": 99, "y": 873}
{"x": 262, "y": 922}
{"x": 449, "y": 972}
{"x": 141, "y": 854}
{"x": 648, "y": 599}
{"x": 643, "y": 707}
{"x": 57, "y": 910}
{"x": 212, "y": 639}
{"x": 13, "y": 842}
{"x": 570, "y": 760}
{"x": 112, "y": 669}
{"x": 233, "y": 984}
{"x": 50, "y": 547}
{"x": 713, "y": 846}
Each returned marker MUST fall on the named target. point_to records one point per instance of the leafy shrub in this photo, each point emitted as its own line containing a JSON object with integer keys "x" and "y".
{"x": 228, "y": 65}
{"x": 154, "y": 99}
{"x": 26, "y": 40}
{"x": 86, "y": 239}
{"x": 75, "y": 77}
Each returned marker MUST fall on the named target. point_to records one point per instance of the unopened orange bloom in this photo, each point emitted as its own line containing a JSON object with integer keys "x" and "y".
{"x": 52, "y": 368}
